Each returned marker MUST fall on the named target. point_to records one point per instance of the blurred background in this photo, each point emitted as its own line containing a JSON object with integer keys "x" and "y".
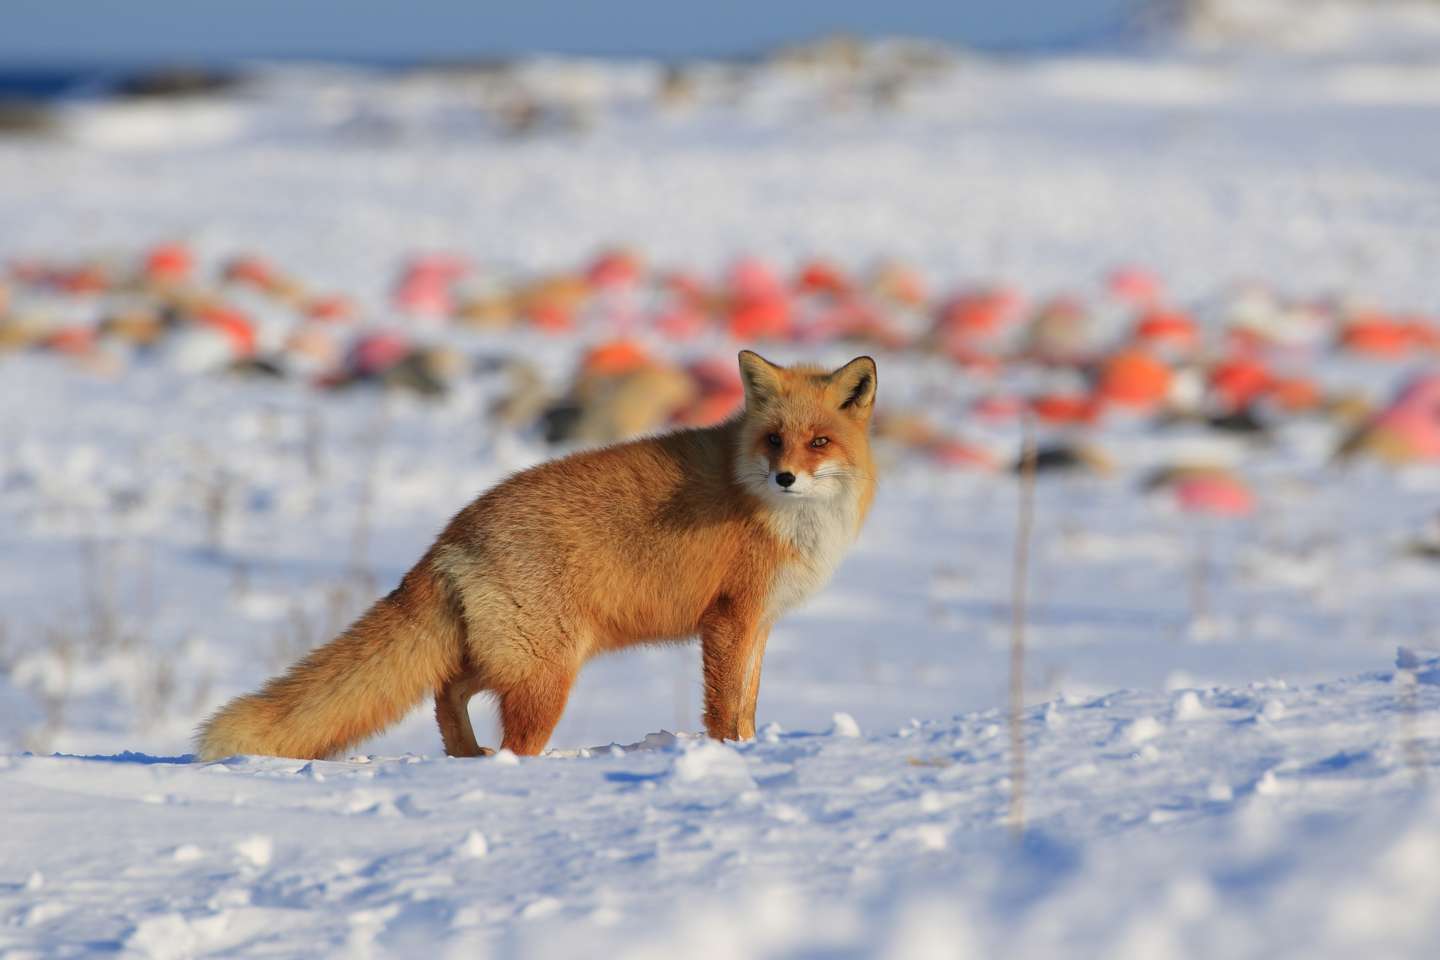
{"x": 283, "y": 286}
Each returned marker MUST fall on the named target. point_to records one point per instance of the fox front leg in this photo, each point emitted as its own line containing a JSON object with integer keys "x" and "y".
{"x": 731, "y": 638}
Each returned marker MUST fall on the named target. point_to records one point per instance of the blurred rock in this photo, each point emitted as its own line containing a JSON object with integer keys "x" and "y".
{"x": 176, "y": 81}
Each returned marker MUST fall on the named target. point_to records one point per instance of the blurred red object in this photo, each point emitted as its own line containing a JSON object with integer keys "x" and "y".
{"x": 681, "y": 322}
{"x": 1064, "y": 408}
{"x": 820, "y": 276}
{"x": 688, "y": 287}
{"x": 900, "y": 283}
{"x": 169, "y": 263}
{"x": 235, "y": 325}
{"x": 251, "y": 271}
{"x": 957, "y": 453}
{"x": 1238, "y": 382}
{"x": 376, "y": 353}
{"x": 1161, "y": 326}
{"x": 79, "y": 281}
{"x": 551, "y": 315}
{"x": 615, "y": 357}
{"x": 1214, "y": 493}
{"x": 721, "y": 392}
{"x": 1134, "y": 379}
{"x": 977, "y": 314}
{"x": 1134, "y": 285}
{"x": 614, "y": 269}
{"x": 760, "y": 318}
{"x": 1295, "y": 394}
{"x": 73, "y": 341}
{"x": 333, "y": 308}
{"x": 1377, "y": 335}
{"x": 424, "y": 295}
{"x": 751, "y": 278}
{"x": 997, "y": 409}
{"x": 425, "y": 285}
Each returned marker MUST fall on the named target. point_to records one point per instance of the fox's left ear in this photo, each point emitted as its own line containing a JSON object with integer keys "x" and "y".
{"x": 853, "y": 387}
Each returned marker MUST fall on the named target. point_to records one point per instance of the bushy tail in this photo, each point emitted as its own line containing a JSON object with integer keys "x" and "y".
{"x": 404, "y": 647}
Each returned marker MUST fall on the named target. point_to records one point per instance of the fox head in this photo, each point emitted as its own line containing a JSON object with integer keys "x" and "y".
{"x": 805, "y": 432}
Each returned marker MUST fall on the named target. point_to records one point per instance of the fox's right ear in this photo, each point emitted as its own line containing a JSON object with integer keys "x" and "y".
{"x": 760, "y": 377}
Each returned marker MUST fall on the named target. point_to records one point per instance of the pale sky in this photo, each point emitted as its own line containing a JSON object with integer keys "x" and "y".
{"x": 75, "y": 32}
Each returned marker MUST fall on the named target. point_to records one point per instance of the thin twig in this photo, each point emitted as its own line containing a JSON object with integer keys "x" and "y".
{"x": 1021, "y": 576}
{"x": 313, "y": 444}
{"x": 1200, "y": 578}
{"x": 364, "y": 507}
{"x": 1410, "y": 750}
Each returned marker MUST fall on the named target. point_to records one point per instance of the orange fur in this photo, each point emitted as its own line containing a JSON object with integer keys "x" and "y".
{"x": 655, "y": 540}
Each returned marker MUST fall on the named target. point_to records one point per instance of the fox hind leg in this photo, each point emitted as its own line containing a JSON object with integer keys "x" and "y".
{"x": 453, "y": 715}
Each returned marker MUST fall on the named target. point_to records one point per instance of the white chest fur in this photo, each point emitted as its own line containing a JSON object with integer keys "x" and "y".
{"x": 820, "y": 530}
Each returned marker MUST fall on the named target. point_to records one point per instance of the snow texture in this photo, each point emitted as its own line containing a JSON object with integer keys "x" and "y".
{"x": 1247, "y": 777}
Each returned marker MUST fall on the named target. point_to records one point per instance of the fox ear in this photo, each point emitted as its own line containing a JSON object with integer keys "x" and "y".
{"x": 853, "y": 386}
{"x": 760, "y": 376}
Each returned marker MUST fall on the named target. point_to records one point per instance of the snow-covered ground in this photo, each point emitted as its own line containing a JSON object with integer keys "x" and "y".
{"x": 168, "y": 540}
{"x": 1256, "y": 821}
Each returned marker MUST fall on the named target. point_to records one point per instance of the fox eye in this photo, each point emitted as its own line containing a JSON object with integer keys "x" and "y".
{"x": 773, "y": 439}
{"x": 819, "y": 442}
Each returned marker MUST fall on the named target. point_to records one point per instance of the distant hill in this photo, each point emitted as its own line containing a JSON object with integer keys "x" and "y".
{"x": 1331, "y": 27}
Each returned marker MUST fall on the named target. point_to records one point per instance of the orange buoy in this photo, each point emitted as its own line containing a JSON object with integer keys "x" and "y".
{"x": 1424, "y": 334}
{"x": 1134, "y": 379}
{"x": 958, "y": 453}
{"x": 1215, "y": 493}
{"x": 997, "y": 409}
{"x": 1169, "y": 327}
{"x": 550, "y": 315}
{"x": 820, "y": 276}
{"x": 1238, "y": 382}
{"x": 614, "y": 269}
{"x": 334, "y": 308}
{"x": 1066, "y": 408}
{"x": 251, "y": 271}
{"x": 681, "y": 322}
{"x": 690, "y": 288}
{"x": 375, "y": 353}
{"x": 1295, "y": 394}
{"x": 169, "y": 263}
{"x": 763, "y": 318}
{"x": 74, "y": 340}
{"x": 615, "y": 357}
{"x": 977, "y": 313}
{"x": 425, "y": 295}
{"x": 751, "y": 278}
{"x": 235, "y": 325}
{"x": 1377, "y": 335}
{"x": 1134, "y": 285}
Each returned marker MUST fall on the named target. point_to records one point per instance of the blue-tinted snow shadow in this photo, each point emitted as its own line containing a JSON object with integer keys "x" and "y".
{"x": 125, "y": 756}
{"x": 626, "y": 776}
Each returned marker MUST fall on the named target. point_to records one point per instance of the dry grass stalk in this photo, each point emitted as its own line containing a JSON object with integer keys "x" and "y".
{"x": 1018, "y": 615}
{"x": 364, "y": 508}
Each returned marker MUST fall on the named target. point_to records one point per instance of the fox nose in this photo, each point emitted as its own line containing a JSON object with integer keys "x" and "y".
{"x": 785, "y": 479}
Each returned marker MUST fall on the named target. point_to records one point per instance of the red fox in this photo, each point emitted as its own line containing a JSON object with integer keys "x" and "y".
{"x": 714, "y": 531}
